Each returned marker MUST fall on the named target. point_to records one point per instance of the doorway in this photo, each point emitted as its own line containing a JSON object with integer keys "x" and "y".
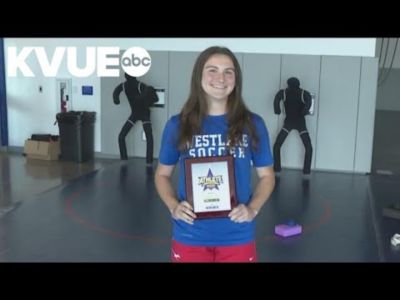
{"x": 386, "y": 146}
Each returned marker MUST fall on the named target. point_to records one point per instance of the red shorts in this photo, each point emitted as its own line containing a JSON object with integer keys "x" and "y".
{"x": 238, "y": 253}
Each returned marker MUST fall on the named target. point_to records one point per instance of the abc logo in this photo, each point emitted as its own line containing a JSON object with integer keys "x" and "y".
{"x": 136, "y": 61}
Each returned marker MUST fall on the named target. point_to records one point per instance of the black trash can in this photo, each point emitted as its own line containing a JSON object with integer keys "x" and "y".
{"x": 76, "y": 135}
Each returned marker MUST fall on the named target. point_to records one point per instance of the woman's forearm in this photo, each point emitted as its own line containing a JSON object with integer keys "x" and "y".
{"x": 166, "y": 191}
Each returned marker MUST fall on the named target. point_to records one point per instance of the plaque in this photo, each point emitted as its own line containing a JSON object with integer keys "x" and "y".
{"x": 210, "y": 185}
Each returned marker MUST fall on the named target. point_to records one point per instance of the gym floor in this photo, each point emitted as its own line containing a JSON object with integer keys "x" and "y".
{"x": 109, "y": 211}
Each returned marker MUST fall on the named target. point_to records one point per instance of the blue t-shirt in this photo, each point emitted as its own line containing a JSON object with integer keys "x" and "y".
{"x": 216, "y": 231}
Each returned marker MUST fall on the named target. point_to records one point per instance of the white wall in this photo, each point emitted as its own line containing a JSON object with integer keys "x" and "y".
{"x": 32, "y": 112}
{"x": 313, "y": 46}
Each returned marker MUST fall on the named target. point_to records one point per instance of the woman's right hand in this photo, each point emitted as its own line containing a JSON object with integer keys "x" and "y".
{"x": 183, "y": 211}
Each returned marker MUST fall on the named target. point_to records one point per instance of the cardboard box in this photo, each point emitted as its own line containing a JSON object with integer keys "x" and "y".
{"x": 42, "y": 150}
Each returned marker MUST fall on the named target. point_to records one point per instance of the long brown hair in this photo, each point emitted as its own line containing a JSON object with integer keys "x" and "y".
{"x": 195, "y": 108}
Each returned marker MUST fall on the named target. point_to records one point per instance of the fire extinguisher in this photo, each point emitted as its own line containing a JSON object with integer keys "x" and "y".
{"x": 63, "y": 102}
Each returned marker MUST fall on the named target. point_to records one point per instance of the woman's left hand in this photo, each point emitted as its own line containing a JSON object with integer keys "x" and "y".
{"x": 242, "y": 213}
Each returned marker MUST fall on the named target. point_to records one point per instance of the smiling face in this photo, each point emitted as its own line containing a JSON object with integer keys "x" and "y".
{"x": 218, "y": 78}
